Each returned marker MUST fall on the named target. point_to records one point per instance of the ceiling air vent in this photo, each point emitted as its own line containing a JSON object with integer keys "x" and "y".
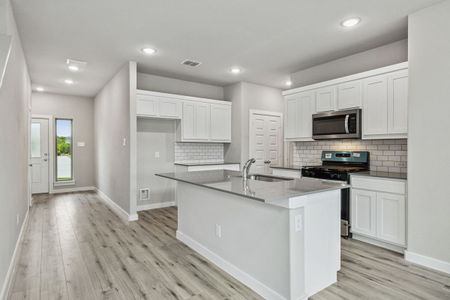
{"x": 190, "y": 63}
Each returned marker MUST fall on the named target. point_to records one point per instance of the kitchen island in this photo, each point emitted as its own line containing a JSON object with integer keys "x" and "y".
{"x": 280, "y": 237}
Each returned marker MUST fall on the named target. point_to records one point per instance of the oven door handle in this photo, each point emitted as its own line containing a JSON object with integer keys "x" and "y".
{"x": 346, "y": 124}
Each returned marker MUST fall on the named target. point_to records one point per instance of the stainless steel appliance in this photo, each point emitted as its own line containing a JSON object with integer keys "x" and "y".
{"x": 337, "y": 165}
{"x": 337, "y": 125}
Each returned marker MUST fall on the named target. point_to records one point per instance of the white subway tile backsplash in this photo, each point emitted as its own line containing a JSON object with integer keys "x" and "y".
{"x": 188, "y": 152}
{"x": 385, "y": 155}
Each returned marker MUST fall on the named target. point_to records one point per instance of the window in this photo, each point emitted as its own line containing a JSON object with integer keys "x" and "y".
{"x": 35, "y": 140}
{"x": 64, "y": 157}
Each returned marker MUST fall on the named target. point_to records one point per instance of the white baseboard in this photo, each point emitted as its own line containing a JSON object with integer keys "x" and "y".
{"x": 12, "y": 265}
{"x": 427, "y": 261}
{"x": 122, "y": 214}
{"x": 155, "y": 205}
{"x": 75, "y": 189}
{"x": 252, "y": 283}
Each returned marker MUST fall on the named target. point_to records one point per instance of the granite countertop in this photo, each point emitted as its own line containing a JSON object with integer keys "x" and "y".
{"x": 269, "y": 192}
{"x": 205, "y": 163}
{"x": 286, "y": 167}
{"x": 381, "y": 174}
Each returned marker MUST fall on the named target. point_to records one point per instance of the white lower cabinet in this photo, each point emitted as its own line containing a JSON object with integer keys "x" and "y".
{"x": 363, "y": 210}
{"x": 378, "y": 210}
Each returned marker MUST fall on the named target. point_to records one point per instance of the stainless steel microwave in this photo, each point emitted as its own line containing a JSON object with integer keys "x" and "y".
{"x": 337, "y": 125}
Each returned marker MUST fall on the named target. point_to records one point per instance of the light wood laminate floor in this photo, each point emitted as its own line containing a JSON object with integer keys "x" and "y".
{"x": 75, "y": 247}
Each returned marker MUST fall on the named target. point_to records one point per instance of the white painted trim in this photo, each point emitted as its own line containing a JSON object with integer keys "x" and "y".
{"x": 182, "y": 97}
{"x": 8, "y": 279}
{"x": 427, "y": 261}
{"x": 155, "y": 205}
{"x": 119, "y": 211}
{"x": 357, "y": 76}
{"x": 252, "y": 283}
{"x": 75, "y": 189}
{"x": 64, "y": 183}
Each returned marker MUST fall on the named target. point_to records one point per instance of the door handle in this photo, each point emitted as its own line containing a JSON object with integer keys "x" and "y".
{"x": 45, "y": 159}
{"x": 267, "y": 162}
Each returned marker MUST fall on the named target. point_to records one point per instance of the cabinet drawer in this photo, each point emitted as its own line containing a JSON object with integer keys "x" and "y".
{"x": 378, "y": 184}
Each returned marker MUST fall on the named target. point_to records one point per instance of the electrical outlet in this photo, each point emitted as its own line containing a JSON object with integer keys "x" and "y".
{"x": 144, "y": 194}
{"x": 218, "y": 231}
{"x": 17, "y": 219}
{"x": 298, "y": 220}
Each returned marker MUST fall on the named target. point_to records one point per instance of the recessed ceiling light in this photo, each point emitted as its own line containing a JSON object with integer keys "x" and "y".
{"x": 68, "y": 81}
{"x": 236, "y": 70}
{"x": 40, "y": 89}
{"x": 148, "y": 51}
{"x": 288, "y": 83}
{"x": 351, "y": 22}
{"x": 75, "y": 65}
{"x": 73, "y": 68}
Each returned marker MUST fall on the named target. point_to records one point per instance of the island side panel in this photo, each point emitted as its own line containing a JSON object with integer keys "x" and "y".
{"x": 254, "y": 236}
{"x": 323, "y": 241}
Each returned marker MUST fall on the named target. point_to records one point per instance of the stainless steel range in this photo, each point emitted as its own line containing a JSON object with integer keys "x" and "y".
{"x": 338, "y": 165}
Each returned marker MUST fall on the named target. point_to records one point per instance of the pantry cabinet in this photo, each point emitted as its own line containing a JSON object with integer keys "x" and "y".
{"x": 378, "y": 210}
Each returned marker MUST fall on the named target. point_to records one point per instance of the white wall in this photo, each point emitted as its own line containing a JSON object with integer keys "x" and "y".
{"x": 386, "y": 55}
{"x": 246, "y": 96}
{"x": 429, "y": 141}
{"x": 81, "y": 110}
{"x": 15, "y": 97}
{"x": 155, "y": 136}
{"x": 175, "y": 86}
{"x": 114, "y": 124}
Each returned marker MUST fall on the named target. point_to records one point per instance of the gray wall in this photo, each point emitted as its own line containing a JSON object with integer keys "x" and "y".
{"x": 81, "y": 110}
{"x": 429, "y": 107}
{"x": 155, "y": 136}
{"x": 15, "y": 95}
{"x": 112, "y": 126}
{"x": 175, "y": 86}
{"x": 389, "y": 54}
{"x": 246, "y": 96}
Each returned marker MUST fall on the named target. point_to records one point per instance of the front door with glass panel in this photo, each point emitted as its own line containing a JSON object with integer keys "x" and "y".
{"x": 39, "y": 156}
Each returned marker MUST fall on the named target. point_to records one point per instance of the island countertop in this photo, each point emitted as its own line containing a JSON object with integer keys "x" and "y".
{"x": 276, "y": 193}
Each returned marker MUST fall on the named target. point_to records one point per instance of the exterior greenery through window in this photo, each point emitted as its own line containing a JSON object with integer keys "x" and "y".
{"x": 64, "y": 157}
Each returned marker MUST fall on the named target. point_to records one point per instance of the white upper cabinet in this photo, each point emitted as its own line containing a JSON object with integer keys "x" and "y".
{"x": 298, "y": 116}
{"x": 147, "y": 106}
{"x": 349, "y": 95}
{"x": 398, "y": 102}
{"x": 220, "y": 122}
{"x": 169, "y": 108}
{"x": 155, "y": 106}
{"x": 385, "y": 106}
{"x": 205, "y": 122}
{"x": 375, "y": 110}
{"x": 326, "y": 99}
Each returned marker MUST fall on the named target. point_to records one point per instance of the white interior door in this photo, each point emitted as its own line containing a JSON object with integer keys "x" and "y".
{"x": 39, "y": 156}
{"x": 266, "y": 140}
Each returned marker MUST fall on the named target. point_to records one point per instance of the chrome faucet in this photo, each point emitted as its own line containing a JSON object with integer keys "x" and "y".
{"x": 246, "y": 168}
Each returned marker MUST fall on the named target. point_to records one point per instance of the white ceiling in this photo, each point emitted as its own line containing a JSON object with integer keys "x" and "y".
{"x": 268, "y": 39}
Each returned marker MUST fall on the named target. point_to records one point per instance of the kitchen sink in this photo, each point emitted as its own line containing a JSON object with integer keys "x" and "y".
{"x": 268, "y": 178}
